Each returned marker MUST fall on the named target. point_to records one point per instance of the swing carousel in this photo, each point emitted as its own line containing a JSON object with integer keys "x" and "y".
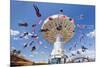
{"x": 59, "y": 29}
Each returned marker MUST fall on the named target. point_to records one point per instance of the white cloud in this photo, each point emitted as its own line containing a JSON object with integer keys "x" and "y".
{"x": 14, "y": 32}
{"x": 30, "y": 34}
{"x": 90, "y": 53}
{"x": 26, "y": 37}
{"x": 15, "y": 38}
{"x": 91, "y": 34}
{"x": 12, "y": 48}
{"x": 31, "y": 55}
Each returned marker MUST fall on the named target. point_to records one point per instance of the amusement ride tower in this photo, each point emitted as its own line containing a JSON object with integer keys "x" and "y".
{"x": 59, "y": 29}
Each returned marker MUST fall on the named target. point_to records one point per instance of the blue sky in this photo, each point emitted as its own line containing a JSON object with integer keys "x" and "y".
{"x": 24, "y": 11}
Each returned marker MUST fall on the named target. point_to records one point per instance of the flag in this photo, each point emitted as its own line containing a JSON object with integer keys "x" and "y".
{"x": 37, "y": 10}
{"x": 33, "y": 48}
